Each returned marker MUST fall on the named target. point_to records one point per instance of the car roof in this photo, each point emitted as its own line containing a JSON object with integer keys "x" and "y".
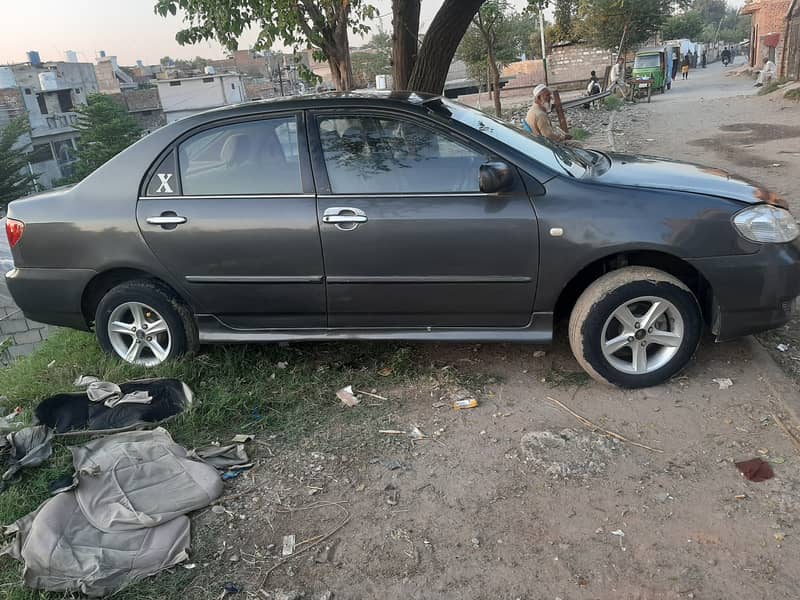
{"x": 377, "y": 98}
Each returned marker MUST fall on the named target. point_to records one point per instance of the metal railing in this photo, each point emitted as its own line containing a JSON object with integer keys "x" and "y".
{"x": 61, "y": 121}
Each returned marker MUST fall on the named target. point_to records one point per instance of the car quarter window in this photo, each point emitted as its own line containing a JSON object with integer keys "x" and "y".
{"x": 254, "y": 157}
{"x": 377, "y": 155}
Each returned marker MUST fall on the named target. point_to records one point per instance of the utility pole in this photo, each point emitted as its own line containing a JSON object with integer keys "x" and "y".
{"x": 544, "y": 49}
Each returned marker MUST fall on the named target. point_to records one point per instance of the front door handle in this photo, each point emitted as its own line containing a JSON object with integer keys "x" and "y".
{"x": 345, "y": 218}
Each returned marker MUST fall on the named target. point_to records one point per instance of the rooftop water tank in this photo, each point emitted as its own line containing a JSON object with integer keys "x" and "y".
{"x": 34, "y": 58}
{"x": 48, "y": 81}
{"x": 7, "y": 79}
{"x": 71, "y": 56}
{"x": 209, "y": 70}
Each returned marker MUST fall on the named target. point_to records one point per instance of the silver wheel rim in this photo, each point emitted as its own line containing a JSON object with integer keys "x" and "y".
{"x": 139, "y": 334}
{"x": 642, "y": 335}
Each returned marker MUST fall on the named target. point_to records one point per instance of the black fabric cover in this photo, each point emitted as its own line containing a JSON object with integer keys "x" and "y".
{"x": 74, "y": 411}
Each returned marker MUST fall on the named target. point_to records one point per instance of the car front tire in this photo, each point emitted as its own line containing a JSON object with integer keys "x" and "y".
{"x": 635, "y": 327}
{"x": 143, "y": 323}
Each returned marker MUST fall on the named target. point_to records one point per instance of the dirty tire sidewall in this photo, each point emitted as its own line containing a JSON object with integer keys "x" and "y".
{"x": 175, "y": 313}
{"x": 599, "y": 301}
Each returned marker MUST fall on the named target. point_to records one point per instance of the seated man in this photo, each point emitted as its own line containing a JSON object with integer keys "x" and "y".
{"x": 767, "y": 73}
{"x": 537, "y": 120}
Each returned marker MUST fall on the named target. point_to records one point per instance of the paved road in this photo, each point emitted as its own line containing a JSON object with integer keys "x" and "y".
{"x": 709, "y": 83}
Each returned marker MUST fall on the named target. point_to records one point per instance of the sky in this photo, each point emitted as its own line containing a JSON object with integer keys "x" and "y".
{"x": 128, "y": 29}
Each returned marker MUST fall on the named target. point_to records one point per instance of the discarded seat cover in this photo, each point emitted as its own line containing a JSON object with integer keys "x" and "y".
{"x": 72, "y": 412}
{"x": 28, "y": 447}
{"x": 140, "y": 479}
{"x": 62, "y": 552}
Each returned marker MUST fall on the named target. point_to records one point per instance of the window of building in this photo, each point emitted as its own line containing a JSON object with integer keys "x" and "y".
{"x": 42, "y": 104}
{"x": 174, "y": 83}
{"x": 27, "y": 91}
{"x": 372, "y": 155}
{"x": 257, "y": 157}
{"x": 65, "y": 103}
{"x": 41, "y": 153}
{"x": 208, "y": 80}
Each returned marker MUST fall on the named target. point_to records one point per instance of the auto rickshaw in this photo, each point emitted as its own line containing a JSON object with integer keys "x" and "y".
{"x": 652, "y": 66}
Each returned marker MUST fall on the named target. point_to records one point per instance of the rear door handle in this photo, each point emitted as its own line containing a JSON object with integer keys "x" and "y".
{"x": 167, "y": 220}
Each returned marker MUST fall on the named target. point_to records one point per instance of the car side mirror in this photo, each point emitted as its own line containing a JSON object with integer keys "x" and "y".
{"x": 496, "y": 177}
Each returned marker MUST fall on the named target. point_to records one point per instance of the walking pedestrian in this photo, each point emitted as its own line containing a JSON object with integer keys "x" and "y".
{"x": 703, "y": 59}
{"x": 685, "y": 66}
{"x": 675, "y": 63}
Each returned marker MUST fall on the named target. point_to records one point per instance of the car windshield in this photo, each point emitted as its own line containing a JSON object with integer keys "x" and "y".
{"x": 555, "y": 156}
{"x": 647, "y": 61}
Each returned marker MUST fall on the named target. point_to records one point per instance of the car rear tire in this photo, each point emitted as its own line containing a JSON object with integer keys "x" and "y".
{"x": 635, "y": 327}
{"x": 144, "y": 323}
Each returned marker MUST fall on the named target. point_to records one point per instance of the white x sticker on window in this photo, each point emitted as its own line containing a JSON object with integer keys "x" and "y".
{"x": 164, "y": 187}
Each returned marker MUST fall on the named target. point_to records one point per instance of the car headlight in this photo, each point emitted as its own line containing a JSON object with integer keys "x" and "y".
{"x": 767, "y": 224}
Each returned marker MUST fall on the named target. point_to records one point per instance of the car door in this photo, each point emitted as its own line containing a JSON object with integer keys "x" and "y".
{"x": 408, "y": 238}
{"x": 231, "y": 212}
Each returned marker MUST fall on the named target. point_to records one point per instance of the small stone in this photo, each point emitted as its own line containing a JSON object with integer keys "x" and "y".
{"x": 780, "y": 536}
{"x": 539, "y": 354}
{"x": 233, "y": 558}
{"x": 475, "y": 542}
{"x": 217, "y": 509}
{"x": 662, "y": 497}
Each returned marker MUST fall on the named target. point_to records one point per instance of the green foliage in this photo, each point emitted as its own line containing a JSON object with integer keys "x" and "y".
{"x": 793, "y": 95}
{"x": 721, "y": 21}
{"x": 565, "y": 12}
{"x": 375, "y": 59}
{"x": 496, "y": 29}
{"x": 771, "y": 86}
{"x": 323, "y": 24}
{"x": 15, "y": 178}
{"x": 612, "y": 102}
{"x": 106, "y": 129}
{"x": 688, "y": 25}
{"x": 579, "y": 134}
{"x": 609, "y": 23}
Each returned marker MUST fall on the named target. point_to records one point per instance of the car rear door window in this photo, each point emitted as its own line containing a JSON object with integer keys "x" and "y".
{"x": 376, "y": 155}
{"x": 253, "y": 158}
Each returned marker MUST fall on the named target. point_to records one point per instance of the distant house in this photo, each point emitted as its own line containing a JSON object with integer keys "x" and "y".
{"x": 183, "y": 97}
{"x": 47, "y": 93}
{"x": 790, "y": 65}
{"x": 768, "y": 32}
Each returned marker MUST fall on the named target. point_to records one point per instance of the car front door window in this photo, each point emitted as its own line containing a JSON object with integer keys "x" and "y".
{"x": 374, "y": 155}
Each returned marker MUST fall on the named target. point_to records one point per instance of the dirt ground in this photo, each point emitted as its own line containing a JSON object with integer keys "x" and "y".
{"x": 518, "y": 499}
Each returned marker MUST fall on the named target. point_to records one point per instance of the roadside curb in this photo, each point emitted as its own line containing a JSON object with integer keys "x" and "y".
{"x": 610, "y": 132}
{"x": 777, "y": 383}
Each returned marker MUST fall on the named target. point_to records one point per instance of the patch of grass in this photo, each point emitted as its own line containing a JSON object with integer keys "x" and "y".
{"x": 771, "y": 87}
{"x": 793, "y": 95}
{"x": 240, "y": 389}
{"x": 561, "y": 378}
{"x": 579, "y": 133}
{"x": 612, "y": 102}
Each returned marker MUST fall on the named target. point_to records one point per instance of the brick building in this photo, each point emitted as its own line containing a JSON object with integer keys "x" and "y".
{"x": 790, "y": 65}
{"x": 569, "y": 62}
{"x": 768, "y": 33}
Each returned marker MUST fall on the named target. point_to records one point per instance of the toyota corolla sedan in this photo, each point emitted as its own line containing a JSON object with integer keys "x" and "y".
{"x": 401, "y": 217}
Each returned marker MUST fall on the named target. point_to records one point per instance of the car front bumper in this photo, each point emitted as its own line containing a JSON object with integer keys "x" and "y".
{"x": 753, "y": 292}
{"x": 51, "y": 296}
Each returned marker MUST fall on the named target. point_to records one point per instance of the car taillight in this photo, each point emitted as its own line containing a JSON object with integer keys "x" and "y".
{"x": 14, "y": 230}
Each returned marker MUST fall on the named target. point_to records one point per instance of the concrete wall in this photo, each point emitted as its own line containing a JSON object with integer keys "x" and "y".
{"x": 769, "y": 17}
{"x": 182, "y": 97}
{"x": 576, "y": 61}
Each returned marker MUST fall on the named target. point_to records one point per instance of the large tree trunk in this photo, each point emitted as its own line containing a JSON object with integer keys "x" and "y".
{"x": 405, "y": 22}
{"x": 440, "y": 44}
{"x": 337, "y": 48}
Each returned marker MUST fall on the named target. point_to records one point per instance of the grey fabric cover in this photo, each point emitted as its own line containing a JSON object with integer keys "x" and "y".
{"x": 28, "y": 447}
{"x": 223, "y": 457}
{"x": 111, "y": 394}
{"x": 140, "y": 479}
{"x": 62, "y": 552}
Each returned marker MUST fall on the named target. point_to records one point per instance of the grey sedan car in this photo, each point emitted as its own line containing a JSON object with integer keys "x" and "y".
{"x": 401, "y": 217}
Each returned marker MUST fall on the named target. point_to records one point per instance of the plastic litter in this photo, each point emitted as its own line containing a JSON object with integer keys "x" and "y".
{"x": 348, "y": 398}
{"x": 465, "y": 404}
{"x": 288, "y": 545}
{"x": 723, "y": 382}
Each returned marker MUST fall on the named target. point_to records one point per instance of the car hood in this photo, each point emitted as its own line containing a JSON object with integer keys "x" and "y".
{"x": 659, "y": 173}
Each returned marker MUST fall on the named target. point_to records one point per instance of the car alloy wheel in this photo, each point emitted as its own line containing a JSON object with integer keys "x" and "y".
{"x": 635, "y": 327}
{"x": 139, "y": 334}
{"x": 642, "y": 335}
